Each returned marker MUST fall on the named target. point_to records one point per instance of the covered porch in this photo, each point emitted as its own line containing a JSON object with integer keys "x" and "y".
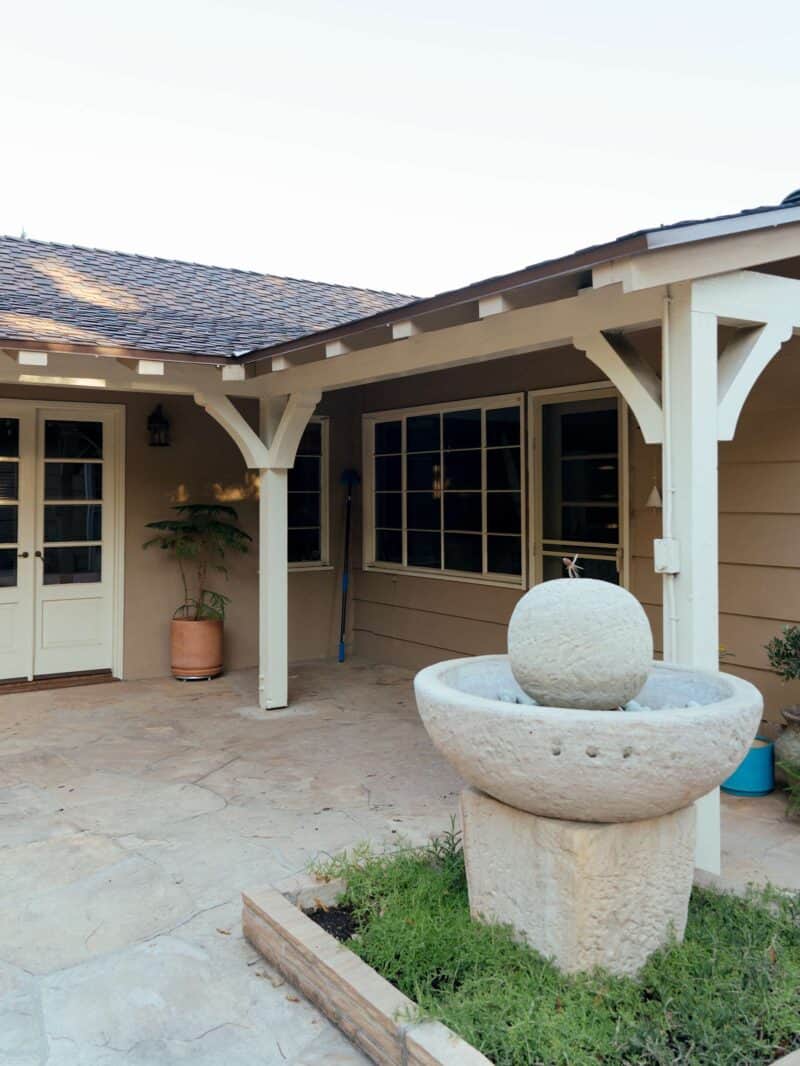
{"x": 133, "y": 813}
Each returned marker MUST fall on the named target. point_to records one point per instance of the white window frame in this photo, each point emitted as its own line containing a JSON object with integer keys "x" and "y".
{"x": 595, "y": 390}
{"x": 485, "y": 403}
{"x": 324, "y": 561}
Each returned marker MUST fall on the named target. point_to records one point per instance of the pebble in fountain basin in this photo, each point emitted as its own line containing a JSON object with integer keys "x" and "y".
{"x": 580, "y": 643}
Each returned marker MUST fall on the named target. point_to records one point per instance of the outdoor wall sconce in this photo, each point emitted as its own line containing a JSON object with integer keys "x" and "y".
{"x": 158, "y": 428}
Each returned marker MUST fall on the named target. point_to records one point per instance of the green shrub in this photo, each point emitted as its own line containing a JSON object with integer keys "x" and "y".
{"x": 729, "y": 995}
{"x": 783, "y": 653}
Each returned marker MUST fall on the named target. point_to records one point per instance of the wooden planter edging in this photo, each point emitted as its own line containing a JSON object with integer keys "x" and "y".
{"x": 365, "y": 1006}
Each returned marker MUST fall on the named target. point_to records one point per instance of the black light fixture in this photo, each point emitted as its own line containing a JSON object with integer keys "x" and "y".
{"x": 158, "y": 428}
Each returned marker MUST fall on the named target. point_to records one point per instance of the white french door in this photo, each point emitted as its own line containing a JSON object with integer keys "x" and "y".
{"x": 58, "y": 538}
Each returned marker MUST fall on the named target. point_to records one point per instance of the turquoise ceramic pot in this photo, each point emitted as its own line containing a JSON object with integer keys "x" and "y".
{"x": 755, "y": 774}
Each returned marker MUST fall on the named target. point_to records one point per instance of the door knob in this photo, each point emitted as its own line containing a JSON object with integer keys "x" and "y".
{"x": 38, "y": 555}
{"x": 22, "y": 555}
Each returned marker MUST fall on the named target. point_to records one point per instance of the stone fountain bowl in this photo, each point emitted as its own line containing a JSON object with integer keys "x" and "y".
{"x": 589, "y": 766}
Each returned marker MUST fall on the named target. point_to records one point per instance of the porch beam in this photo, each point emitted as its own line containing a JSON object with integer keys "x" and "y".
{"x": 222, "y": 410}
{"x": 633, "y": 377}
{"x": 518, "y": 331}
{"x": 690, "y": 512}
{"x": 749, "y": 296}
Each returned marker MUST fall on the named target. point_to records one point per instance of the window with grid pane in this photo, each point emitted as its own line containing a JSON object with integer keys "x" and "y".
{"x": 307, "y": 506}
{"x": 446, "y": 488}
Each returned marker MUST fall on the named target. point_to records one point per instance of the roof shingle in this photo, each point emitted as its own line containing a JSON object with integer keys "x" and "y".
{"x": 72, "y": 295}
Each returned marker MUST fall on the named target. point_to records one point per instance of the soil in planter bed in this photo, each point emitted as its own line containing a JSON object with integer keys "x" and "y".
{"x": 338, "y": 921}
{"x": 729, "y": 995}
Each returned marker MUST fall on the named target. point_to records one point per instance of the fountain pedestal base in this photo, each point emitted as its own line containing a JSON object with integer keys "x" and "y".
{"x": 584, "y": 894}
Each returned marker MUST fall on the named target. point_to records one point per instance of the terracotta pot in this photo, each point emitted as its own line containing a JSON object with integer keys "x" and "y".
{"x": 196, "y": 648}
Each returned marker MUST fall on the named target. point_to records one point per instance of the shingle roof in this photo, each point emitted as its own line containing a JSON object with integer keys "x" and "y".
{"x": 66, "y": 294}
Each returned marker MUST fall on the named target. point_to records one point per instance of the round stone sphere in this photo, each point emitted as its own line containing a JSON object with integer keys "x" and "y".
{"x": 580, "y": 643}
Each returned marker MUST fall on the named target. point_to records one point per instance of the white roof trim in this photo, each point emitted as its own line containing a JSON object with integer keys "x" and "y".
{"x": 699, "y": 231}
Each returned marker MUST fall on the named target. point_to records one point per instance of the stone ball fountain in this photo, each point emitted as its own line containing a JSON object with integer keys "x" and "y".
{"x": 583, "y": 759}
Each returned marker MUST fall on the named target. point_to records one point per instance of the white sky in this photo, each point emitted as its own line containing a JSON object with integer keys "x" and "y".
{"x": 406, "y": 145}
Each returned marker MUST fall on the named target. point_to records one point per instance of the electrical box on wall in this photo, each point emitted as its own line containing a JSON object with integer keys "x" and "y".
{"x": 666, "y": 556}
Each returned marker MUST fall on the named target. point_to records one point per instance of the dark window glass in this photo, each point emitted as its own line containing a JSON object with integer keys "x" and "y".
{"x": 389, "y": 510}
{"x": 462, "y": 429}
{"x": 463, "y": 510}
{"x": 73, "y": 440}
{"x": 311, "y": 441}
{"x": 503, "y": 512}
{"x": 462, "y": 470}
{"x": 8, "y": 525}
{"x": 388, "y": 546}
{"x": 304, "y": 545}
{"x": 423, "y": 511}
{"x": 463, "y": 551}
{"x": 72, "y": 522}
{"x": 388, "y": 437}
{"x": 303, "y": 508}
{"x": 504, "y": 555}
{"x": 590, "y": 523}
{"x": 71, "y": 566}
{"x": 305, "y": 474}
{"x": 502, "y": 426}
{"x": 423, "y": 433}
{"x": 600, "y": 569}
{"x": 9, "y": 486}
{"x": 589, "y": 480}
{"x": 502, "y": 468}
{"x": 424, "y": 471}
{"x": 589, "y": 432}
{"x": 9, "y": 439}
{"x": 73, "y": 481}
{"x": 424, "y": 549}
{"x": 388, "y": 473}
{"x": 8, "y": 567}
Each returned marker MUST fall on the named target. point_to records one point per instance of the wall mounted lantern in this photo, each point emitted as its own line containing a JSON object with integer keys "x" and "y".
{"x": 158, "y": 428}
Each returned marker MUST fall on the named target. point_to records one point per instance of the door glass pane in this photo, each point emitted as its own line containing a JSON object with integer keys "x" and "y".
{"x": 71, "y": 566}
{"x": 8, "y": 525}
{"x": 73, "y": 481}
{"x": 9, "y": 437}
{"x": 72, "y": 522}
{"x": 424, "y": 471}
{"x": 463, "y": 551}
{"x": 388, "y": 510}
{"x": 424, "y": 549}
{"x": 9, "y": 481}
{"x": 503, "y": 512}
{"x": 304, "y": 545}
{"x": 462, "y": 470}
{"x": 388, "y": 473}
{"x": 590, "y": 480}
{"x": 462, "y": 429}
{"x": 8, "y": 567}
{"x": 593, "y": 524}
{"x": 591, "y": 431}
{"x": 502, "y": 468}
{"x": 504, "y": 555}
{"x": 601, "y": 569}
{"x": 73, "y": 440}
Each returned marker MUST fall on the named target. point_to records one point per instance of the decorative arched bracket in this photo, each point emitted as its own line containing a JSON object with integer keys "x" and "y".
{"x": 741, "y": 362}
{"x": 635, "y": 379}
{"x": 280, "y": 455}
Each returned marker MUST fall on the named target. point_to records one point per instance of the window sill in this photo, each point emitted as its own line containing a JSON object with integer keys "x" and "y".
{"x": 515, "y": 585}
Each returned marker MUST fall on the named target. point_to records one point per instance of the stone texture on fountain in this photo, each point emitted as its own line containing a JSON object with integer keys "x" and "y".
{"x": 579, "y": 830}
{"x": 580, "y": 643}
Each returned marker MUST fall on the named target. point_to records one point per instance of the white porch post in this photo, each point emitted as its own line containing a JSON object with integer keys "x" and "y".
{"x": 689, "y": 555}
{"x": 273, "y": 572}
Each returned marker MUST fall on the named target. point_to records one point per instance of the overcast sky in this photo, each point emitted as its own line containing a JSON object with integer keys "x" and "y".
{"x": 411, "y": 146}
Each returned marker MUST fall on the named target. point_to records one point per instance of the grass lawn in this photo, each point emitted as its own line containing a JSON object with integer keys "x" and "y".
{"x": 729, "y": 995}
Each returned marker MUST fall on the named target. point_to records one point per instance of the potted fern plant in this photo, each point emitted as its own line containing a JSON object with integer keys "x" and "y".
{"x": 200, "y": 538}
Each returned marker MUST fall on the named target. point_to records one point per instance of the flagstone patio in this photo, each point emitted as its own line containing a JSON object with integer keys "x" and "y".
{"x": 131, "y": 816}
